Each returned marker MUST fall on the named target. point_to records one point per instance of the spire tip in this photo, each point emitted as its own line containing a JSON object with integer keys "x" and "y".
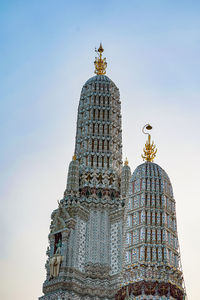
{"x": 100, "y": 63}
{"x": 150, "y": 148}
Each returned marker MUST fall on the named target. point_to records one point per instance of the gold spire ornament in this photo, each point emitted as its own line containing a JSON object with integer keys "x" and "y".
{"x": 100, "y": 63}
{"x": 150, "y": 148}
{"x": 126, "y": 162}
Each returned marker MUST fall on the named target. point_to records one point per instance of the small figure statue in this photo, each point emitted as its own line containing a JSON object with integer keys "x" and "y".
{"x": 56, "y": 261}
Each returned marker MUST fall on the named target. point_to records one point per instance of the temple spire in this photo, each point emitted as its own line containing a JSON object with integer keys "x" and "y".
{"x": 150, "y": 148}
{"x": 100, "y": 63}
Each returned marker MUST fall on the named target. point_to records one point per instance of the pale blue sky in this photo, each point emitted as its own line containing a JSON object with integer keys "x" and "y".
{"x": 47, "y": 53}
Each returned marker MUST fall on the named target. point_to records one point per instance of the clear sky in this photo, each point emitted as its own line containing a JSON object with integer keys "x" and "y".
{"x": 47, "y": 53}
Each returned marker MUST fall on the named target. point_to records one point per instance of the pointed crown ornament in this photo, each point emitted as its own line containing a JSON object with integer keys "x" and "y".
{"x": 150, "y": 148}
{"x": 100, "y": 63}
{"x": 126, "y": 162}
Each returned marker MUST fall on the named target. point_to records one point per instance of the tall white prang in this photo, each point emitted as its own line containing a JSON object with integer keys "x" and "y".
{"x": 151, "y": 268}
{"x": 85, "y": 253}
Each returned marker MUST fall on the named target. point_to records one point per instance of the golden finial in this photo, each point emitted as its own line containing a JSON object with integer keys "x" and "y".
{"x": 74, "y": 157}
{"x": 126, "y": 162}
{"x": 100, "y": 63}
{"x": 150, "y": 148}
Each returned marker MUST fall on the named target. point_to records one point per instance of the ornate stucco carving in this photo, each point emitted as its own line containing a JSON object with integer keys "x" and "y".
{"x": 92, "y": 202}
{"x": 59, "y": 218}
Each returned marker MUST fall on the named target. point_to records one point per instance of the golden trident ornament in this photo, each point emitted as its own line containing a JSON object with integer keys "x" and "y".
{"x": 100, "y": 63}
{"x": 150, "y": 148}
